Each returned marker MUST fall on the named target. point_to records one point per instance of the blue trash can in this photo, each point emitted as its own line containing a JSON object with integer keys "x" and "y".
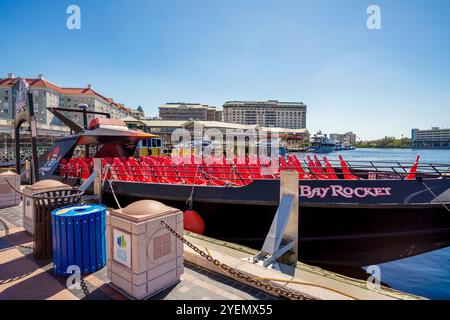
{"x": 79, "y": 238}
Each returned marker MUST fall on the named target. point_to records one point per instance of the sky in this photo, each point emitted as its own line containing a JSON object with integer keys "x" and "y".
{"x": 145, "y": 52}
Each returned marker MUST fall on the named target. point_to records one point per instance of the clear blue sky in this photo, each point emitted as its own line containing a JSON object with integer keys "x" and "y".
{"x": 143, "y": 52}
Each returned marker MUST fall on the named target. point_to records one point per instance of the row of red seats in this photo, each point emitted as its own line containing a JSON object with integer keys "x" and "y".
{"x": 210, "y": 170}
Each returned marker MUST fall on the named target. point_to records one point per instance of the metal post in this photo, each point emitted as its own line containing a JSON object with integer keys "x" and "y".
{"x": 280, "y": 248}
{"x": 33, "y": 127}
{"x": 17, "y": 138}
{"x": 289, "y": 186}
{"x": 98, "y": 179}
{"x": 27, "y": 170}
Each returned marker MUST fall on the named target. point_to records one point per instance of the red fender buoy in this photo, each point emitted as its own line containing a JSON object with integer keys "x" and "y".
{"x": 193, "y": 222}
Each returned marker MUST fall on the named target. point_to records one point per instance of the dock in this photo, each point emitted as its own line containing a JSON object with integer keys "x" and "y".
{"x": 22, "y": 276}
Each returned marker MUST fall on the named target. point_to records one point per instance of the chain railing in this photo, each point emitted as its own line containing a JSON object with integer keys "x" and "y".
{"x": 261, "y": 284}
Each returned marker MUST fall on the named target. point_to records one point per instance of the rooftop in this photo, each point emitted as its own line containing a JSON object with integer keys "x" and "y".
{"x": 40, "y": 82}
{"x": 263, "y": 103}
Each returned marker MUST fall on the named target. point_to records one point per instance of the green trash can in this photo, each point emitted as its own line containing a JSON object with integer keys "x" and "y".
{"x": 44, "y": 204}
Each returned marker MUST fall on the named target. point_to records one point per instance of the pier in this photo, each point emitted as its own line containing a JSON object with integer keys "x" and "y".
{"x": 22, "y": 276}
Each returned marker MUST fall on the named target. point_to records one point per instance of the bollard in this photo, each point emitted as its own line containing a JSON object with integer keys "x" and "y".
{"x": 9, "y": 197}
{"x": 144, "y": 258}
{"x": 28, "y": 203}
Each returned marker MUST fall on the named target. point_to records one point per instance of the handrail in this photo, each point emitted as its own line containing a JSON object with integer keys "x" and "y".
{"x": 243, "y": 174}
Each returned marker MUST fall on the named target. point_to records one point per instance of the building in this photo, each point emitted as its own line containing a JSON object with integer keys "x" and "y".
{"x": 137, "y": 113}
{"x": 189, "y": 111}
{"x": 436, "y": 138}
{"x": 49, "y": 95}
{"x": 270, "y": 113}
{"x": 346, "y": 138}
{"x": 165, "y": 128}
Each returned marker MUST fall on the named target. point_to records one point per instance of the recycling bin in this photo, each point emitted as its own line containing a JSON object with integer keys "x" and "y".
{"x": 28, "y": 203}
{"x": 79, "y": 238}
{"x": 44, "y": 204}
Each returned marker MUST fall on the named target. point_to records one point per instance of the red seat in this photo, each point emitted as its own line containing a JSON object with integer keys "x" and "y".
{"x": 63, "y": 168}
{"x": 348, "y": 175}
{"x": 330, "y": 170}
{"x": 119, "y": 172}
{"x": 316, "y": 169}
{"x": 136, "y": 169}
{"x": 413, "y": 171}
{"x": 84, "y": 169}
{"x": 73, "y": 167}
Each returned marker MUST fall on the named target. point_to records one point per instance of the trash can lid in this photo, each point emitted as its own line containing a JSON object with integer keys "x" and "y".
{"x": 78, "y": 210}
{"x": 8, "y": 173}
{"x": 48, "y": 184}
{"x": 144, "y": 210}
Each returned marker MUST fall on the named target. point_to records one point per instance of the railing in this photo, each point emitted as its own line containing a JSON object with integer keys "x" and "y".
{"x": 237, "y": 175}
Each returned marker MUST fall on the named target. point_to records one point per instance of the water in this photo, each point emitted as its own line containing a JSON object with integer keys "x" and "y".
{"x": 426, "y": 275}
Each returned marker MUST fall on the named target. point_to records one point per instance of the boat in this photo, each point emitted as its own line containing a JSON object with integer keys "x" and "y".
{"x": 338, "y": 146}
{"x": 351, "y": 213}
{"x": 321, "y": 144}
{"x": 348, "y": 147}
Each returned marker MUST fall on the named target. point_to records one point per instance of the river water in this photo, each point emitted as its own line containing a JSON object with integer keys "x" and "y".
{"x": 427, "y": 275}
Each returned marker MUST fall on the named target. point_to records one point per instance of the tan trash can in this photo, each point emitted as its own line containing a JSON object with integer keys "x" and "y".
{"x": 8, "y": 197}
{"x": 144, "y": 258}
{"x": 28, "y": 203}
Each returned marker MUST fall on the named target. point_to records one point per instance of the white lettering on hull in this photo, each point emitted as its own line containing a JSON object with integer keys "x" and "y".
{"x": 346, "y": 192}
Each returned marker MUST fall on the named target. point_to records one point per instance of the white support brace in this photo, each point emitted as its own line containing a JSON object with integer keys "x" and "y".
{"x": 283, "y": 233}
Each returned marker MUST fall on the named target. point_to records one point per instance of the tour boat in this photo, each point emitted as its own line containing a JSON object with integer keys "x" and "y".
{"x": 350, "y": 212}
{"x": 321, "y": 144}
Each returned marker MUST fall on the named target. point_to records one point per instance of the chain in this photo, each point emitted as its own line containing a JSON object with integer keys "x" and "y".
{"x": 24, "y": 247}
{"x": 84, "y": 287}
{"x": 239, "y": 274}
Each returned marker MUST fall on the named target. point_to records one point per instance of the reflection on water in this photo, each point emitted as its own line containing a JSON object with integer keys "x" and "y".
{"x": 426, "y": 275}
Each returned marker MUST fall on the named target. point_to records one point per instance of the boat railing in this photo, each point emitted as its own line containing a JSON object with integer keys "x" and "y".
{"x": 243, "y": 174}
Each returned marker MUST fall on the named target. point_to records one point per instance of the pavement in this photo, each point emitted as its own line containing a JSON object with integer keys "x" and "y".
{"x": 23, "y": 277}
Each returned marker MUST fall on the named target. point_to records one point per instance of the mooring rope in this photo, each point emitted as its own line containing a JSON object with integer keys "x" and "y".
{"x": 108, "y": 168}
{"x": 190, "y": 200}
{"x": 436, "y": 197}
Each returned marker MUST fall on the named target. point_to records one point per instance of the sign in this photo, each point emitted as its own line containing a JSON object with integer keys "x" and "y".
{"x": 122, "y": 248}
{"x": 50, "y": 160}
{"x": 20, "y": 101}
{"x": 345, "y": 192}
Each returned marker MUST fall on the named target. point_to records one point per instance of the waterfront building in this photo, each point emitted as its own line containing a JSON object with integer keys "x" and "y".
{"x": 434, "y": 138}
{"x": 49, "y": 95}
{"x": 137, "y": 113}
{"x": 189, "y": 111}
{"x": 346, "y": 138}
{"x": 165, "y": 128}
{"x": 270, "y": 113}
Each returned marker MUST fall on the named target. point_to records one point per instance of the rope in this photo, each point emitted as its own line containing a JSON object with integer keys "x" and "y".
{"x": 108, "y": 168}
{"x": 435, "y": 196}
{"x": 15, "y": 190}
{"x": 190, "y": 200}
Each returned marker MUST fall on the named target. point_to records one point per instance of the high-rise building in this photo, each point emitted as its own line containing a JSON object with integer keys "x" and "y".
{"x": 436, "y": 138}
{"x": 49, "y": 95}
{"x": 189, "y": 111}
{"x": 270, "y": 113}
{"x": 347, "y": 138}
